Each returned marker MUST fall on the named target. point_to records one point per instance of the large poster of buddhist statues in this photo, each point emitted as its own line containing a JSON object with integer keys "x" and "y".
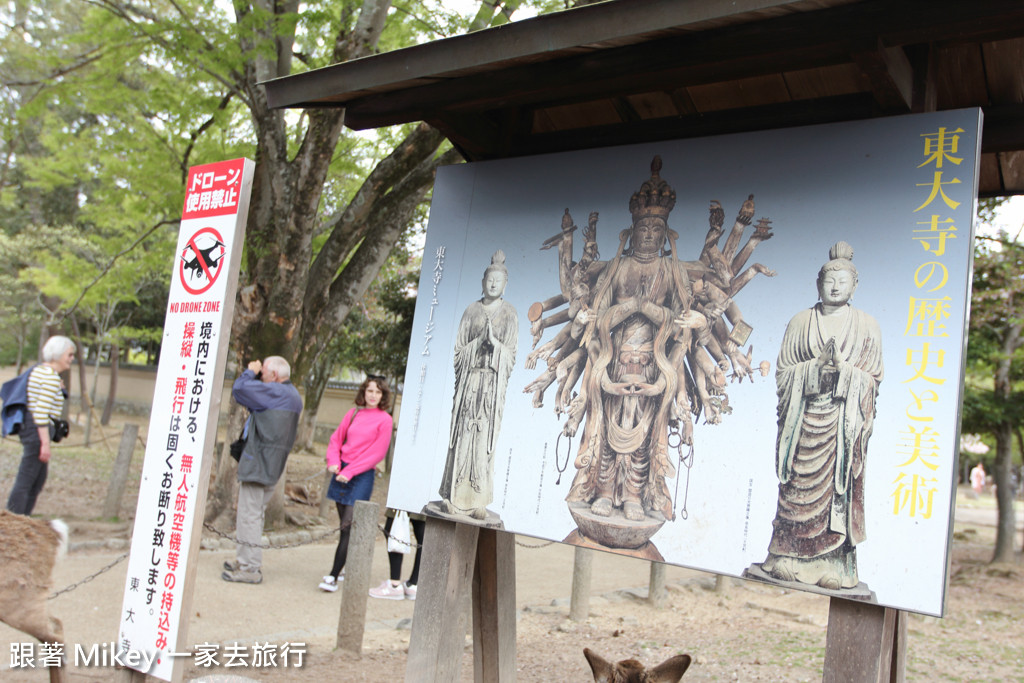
{"x": 740, "y": 354}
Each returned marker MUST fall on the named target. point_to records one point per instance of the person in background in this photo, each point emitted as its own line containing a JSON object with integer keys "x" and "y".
{"x": 978, "y": 478}
{"x": 394, "y": 588}
{"x": 275, "y": 405}
{"x": 357, "y": 445}
{"x": 45, "y": 400}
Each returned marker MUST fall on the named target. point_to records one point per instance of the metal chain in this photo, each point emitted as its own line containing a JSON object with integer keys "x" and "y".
{"x": 314, "y": 539}
{"x": 410, "y": 544}
{"x": 312, "y": 476}
{"x": 268, "y": 546}
{"x": 88, "y": 578}
{"x": 271, "y": 546}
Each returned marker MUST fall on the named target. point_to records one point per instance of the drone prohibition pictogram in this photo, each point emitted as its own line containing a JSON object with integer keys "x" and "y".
{"x": 202, "y": 260}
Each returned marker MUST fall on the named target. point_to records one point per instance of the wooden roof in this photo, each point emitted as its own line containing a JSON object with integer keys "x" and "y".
{"x": 629, "y": 71}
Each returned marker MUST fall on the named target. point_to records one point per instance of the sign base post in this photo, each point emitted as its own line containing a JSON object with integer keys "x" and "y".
{"x": 461, "y": 560}
{"x": 865, "y": 643}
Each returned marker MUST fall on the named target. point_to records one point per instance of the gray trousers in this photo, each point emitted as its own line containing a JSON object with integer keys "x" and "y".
{"x": 252, "y": 502}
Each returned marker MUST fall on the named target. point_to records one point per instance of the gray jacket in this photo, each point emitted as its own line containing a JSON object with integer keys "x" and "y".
{"x": 270, "y": 430}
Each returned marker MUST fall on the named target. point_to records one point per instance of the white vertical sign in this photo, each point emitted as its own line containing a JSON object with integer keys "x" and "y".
{"x": 183, "y": 424}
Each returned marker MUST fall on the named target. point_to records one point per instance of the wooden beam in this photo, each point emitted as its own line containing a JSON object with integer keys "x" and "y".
{"x": 842, "y": 108}
{"x": 823, "y": 37}
{"x": 555, "y": 34}
{"x": 584, "y": 30}
{"x": 891, "y": 76}
{"x": 925, "y": 90}
{"x": 473, "y": 136}
{"x": 1003, "y": 128}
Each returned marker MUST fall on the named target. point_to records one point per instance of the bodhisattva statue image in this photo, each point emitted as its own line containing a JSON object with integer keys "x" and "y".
{"x": 648, "y": 338}
{"x": 828, "y": 373}
{"x": 485, "y": 353}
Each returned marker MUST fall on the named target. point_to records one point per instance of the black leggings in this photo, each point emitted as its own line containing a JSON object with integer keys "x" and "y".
{"x": 395, "y": 559}
{"x": 345, "y": 513}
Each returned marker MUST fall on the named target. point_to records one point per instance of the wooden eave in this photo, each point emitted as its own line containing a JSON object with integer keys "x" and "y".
{"x": 628, "y": 71}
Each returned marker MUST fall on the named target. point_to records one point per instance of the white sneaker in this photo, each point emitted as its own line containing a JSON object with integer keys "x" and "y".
{"x": 329, "y": 584}
{"x": 410, "y": 592}
{"x": 387, "y": 591}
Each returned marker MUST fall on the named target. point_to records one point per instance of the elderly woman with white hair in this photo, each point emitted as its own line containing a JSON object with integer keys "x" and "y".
{"x": 45, "y": 400}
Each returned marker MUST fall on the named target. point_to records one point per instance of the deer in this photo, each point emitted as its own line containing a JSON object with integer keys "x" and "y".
{"x": 29, "y": 549}
{"x": 632, "y": 671}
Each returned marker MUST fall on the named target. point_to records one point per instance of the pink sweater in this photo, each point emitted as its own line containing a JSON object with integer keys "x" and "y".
{"x": 361, "y": 443}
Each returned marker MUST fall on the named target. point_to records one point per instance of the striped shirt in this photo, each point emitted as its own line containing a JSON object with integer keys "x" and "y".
{"x": 45, "y": 398}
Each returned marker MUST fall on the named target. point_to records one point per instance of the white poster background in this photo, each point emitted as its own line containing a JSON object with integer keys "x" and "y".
{"x": 862, "y": 182}
{"x": 183, "y": 422}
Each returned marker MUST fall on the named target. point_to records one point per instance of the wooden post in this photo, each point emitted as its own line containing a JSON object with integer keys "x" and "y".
{"x": 494, "y": 608}
{"x": 129, "y": 676}
{"x": 865, "y": 643}
{"x": 324, "y": 501}
{"x": 656, "y": 593}
{"x": 123, "y": 463}
{"x": 355, "y": 588}
{"x": 579, "y": 604}
{"x": 438, "y": 626}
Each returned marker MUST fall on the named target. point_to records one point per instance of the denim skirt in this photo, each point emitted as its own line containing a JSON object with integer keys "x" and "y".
{"x": 359, "y": 487}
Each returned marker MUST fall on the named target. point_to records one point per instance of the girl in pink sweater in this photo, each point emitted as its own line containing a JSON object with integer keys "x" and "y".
{"x": 357, "y": 445}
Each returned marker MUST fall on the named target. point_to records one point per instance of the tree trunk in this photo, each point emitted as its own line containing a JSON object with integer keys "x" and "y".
{"x": 20, "y": 360}
{"x": 1006, "y": 526}
{"x": 315, "y": 382}
{"x": 224, "y": 488}
{"x": 1004, "y": 452}
{"x": 76, "y": 332}
{"x": 108, "y": 407}
{"x": 274, "y": 515}
{"x": 281, "y": 275}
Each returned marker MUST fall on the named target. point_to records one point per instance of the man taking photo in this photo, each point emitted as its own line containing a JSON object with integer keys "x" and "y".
{"x": 274, "y": 405}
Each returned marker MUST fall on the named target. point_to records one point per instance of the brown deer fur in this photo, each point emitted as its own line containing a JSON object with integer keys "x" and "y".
{"x": 632, "y": 671}
{"x": 29, "y": 549}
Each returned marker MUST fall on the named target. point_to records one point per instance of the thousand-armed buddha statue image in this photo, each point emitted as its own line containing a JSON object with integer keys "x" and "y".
{"x": 828, "y": 373}
{"x": 648, "y": 339}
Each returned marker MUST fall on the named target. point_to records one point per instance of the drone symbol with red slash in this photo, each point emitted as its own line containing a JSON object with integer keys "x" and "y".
{"x": 203, "y": 259}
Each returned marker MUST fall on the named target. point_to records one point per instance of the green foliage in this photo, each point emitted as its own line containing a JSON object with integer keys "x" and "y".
{"x": 994, "y": 389}
{"x": 987, "y": 208}
{"x": 375, "y": 337}
{"x": 107, "y": 104}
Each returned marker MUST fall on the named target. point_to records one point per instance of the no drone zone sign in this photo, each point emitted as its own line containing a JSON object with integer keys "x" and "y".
{"x": 153, "y": 625}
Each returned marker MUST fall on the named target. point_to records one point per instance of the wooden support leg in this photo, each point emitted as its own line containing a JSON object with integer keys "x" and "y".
{"x": 494, "y": 608}
{"x": 898, "y": 666}
{"x": 582, "y": 568}
{"x": 438, "y": 627}
{"x": 865, "y": 644}
{"x": 657, "y": 595}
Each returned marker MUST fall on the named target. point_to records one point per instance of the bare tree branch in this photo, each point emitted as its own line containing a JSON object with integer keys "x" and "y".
{"x": 110, "y": 265}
